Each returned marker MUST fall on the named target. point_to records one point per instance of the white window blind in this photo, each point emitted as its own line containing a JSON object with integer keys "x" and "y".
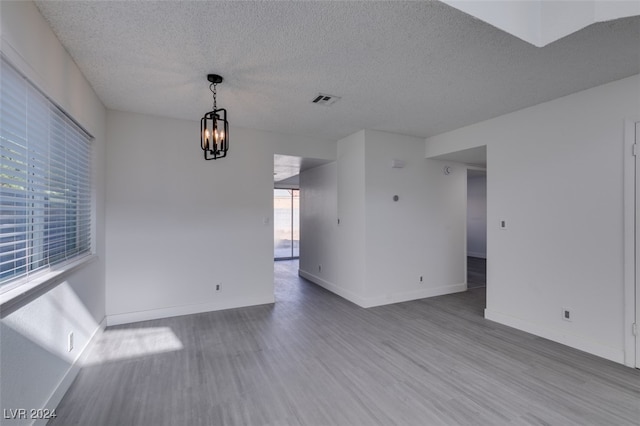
{"x": 45, "y": 182}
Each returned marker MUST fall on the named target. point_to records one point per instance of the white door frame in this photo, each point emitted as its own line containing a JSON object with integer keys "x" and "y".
{"x": 636, "y": 153}
{"x": 631, "y": 231}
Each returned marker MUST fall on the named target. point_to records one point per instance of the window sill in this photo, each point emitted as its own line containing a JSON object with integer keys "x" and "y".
{"x": 14, "y": 299}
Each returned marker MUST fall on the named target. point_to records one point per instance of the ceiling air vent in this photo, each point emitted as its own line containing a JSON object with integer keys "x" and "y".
{"x": 325, "y": 100}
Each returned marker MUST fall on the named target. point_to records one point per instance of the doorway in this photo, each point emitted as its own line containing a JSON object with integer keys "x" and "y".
{"x": 475, "y": 266}
{"x": 636, "y": 153}
{"x": 476, "y": 228}
{"x": 286, "y": 224}
{"x": 632, "y": 242}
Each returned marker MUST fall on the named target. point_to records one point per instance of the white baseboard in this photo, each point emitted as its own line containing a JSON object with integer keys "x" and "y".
{"x": 369, "y": 302}
{"x": 346, "y": 294}
{"x": 414, "y": 295}
{"x": 72, "y": 373}
{"x": 175, "y": 311}
{"x": 576, "y": 342}
{"x": 477, "y": 254}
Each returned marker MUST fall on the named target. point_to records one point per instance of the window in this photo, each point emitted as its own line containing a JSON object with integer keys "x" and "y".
{"x": 286, "y": 221}
{"x": 45, "y": 183}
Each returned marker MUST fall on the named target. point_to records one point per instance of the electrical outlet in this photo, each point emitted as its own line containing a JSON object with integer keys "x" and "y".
{"x": 566, "y": 314}
{"x": 420, "y": 278}
{"x": 70, "y": 342}
{"x": 503, "y": 224}
{"x": 218, "y": 286}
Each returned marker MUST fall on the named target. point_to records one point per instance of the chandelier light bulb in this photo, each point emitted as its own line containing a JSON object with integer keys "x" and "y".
{"x": 205, "y": 139}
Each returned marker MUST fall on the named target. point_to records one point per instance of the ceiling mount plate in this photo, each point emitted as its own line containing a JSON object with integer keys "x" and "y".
{"x": 214, "y": 78}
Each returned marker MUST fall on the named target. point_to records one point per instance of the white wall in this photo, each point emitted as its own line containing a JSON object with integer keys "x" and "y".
{"x": 36, "y": 368}
{"x": 422, "y": 234}
{"x": 318, "y": 223}
{"x": 477, "y": 216}
{"x": 556, "y": 177}
{"x": 542, "y": 22}
{"x": 351, "y": 241}
{"x": 382, "y": 247}
{"x": 178, "y": 225}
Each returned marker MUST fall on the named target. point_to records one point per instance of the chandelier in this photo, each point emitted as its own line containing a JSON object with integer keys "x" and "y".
{"x": 214, "y": 127}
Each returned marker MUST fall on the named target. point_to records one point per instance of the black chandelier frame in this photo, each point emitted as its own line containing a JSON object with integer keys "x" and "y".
{"x": 214, "y": 126}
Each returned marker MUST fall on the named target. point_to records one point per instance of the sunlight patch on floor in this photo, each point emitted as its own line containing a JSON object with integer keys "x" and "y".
{"x": 121, "y": 344}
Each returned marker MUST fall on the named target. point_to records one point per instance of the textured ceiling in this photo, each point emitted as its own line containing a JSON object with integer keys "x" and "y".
{"x": 416, "y": 68}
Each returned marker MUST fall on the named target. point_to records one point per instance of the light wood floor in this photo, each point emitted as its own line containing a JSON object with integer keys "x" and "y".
{"x": 316, "y": 359}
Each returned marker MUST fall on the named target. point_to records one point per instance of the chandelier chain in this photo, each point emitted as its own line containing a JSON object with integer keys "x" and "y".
{"x": 212, "y": 87}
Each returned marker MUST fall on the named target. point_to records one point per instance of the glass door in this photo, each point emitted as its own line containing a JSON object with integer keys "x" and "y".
{"x": 286, "y": 224}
